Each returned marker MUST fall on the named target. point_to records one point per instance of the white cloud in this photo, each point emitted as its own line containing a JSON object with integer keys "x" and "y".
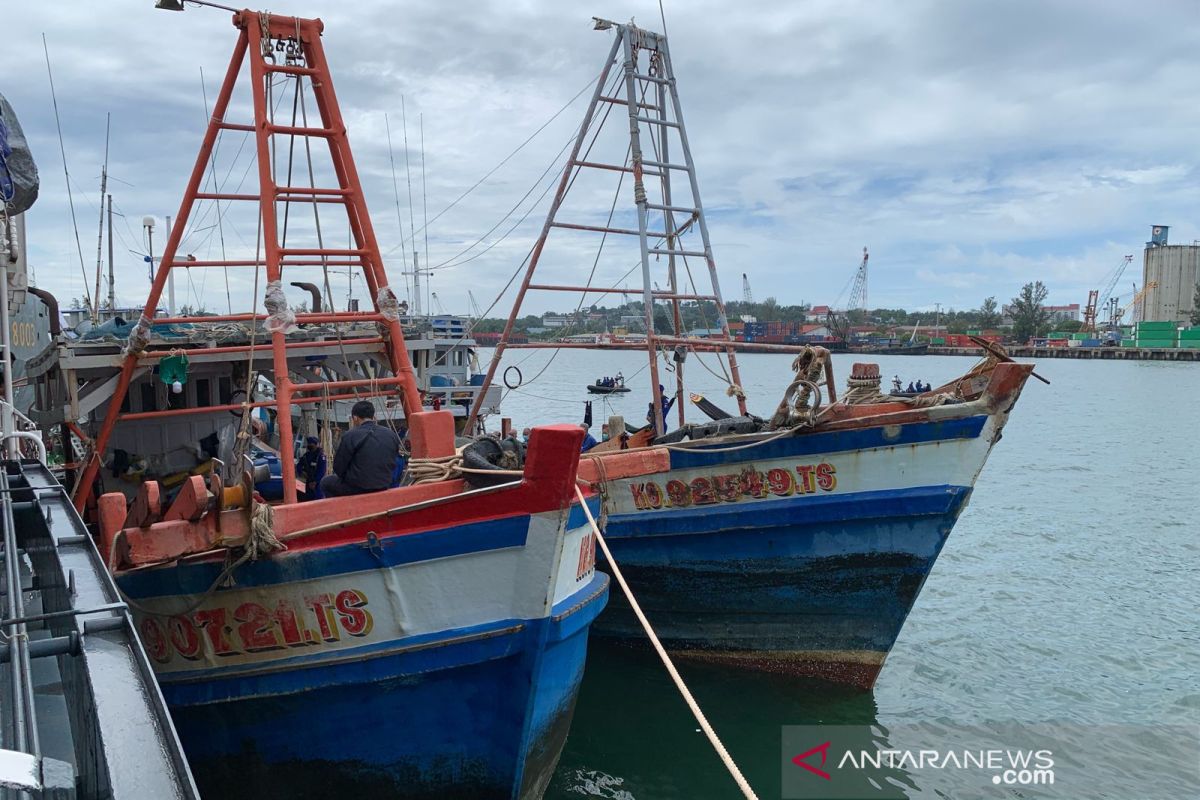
{"x": 973, "y": 147}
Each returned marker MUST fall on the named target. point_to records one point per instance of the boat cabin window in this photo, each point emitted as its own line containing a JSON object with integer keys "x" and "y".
{"x": 458, "y": 357}
{"x": 203, "y": 393}
{"x": 224, "y": 390}
{"x": 149, "y": 397}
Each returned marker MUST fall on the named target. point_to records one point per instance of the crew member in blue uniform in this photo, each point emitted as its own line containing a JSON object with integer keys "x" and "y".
{"x": 589, "y": 441}
{"x": 311, "y": 468}
{"x": 366, "y": 456}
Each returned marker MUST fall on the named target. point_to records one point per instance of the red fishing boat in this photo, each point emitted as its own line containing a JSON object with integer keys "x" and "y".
{"x": 428, "y": 637}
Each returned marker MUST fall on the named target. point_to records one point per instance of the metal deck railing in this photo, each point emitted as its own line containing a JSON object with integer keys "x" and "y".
{"x": 64, "y": 623}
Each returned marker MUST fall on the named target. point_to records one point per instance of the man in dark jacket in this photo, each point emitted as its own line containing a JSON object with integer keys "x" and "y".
{"x": 366, "y": 456}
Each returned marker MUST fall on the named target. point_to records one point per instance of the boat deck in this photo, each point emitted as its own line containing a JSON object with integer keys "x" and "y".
{"x": 82, "y": 714}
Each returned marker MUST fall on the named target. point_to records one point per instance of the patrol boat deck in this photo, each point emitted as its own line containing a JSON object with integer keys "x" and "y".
{"x": 83, "y": 715}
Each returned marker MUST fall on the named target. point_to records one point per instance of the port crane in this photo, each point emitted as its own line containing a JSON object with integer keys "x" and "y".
{"x": 1098, "y": 300}
{"x": 839, "y": 322}
{"x": 747, "y": 297}
{"x": 1135, "y": 305}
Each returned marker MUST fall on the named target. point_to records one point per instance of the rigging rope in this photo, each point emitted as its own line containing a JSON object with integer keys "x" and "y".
{"x": 412, "y": 236}
{"x": 705, "y": 726}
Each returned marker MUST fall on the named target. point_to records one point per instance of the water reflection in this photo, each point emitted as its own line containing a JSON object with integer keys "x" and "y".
{"x": 634, "y": 739}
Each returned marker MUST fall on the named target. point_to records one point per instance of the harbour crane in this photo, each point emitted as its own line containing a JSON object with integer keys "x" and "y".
{"x": 1135, "y": 305}
{"x": 747, "y": 297}
{"x": 1098, "y": 300}
{"x": 839, "y": 322}
{"x": 475, "y": 312}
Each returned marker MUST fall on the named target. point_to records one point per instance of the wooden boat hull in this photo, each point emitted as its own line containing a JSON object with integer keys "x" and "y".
{"x": 434, "y": 653}
{"x": 804, "y": 555}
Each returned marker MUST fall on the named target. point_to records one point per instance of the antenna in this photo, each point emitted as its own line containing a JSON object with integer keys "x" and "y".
{"x": 100, "y": 233}
{"x": 396, "y": 195}
{"x": 66, "y": 173}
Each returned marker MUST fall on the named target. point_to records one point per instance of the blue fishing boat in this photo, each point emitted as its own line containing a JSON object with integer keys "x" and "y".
{"x": 422, "y": 641}
{"x": 794, "y": 542}
{"x": 797, "y": 550}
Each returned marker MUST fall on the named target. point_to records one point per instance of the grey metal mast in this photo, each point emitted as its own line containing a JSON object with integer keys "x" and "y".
{"x": 645, "y": 64}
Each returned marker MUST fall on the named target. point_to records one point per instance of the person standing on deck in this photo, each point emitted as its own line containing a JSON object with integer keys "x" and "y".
{"x": 589, "y": 441}
{"x": 667, "y": 403}
{"x": 366, "y": 456}
{"x": 311, "y": 468}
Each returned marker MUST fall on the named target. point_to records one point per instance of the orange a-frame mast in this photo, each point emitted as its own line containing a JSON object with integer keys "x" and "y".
{"x": 259, "y": 33}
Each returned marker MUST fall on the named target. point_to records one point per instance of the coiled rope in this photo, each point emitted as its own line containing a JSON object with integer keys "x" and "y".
{"x": 445, "y": 468}
{"x": 435, "y": 470}
{"x": 705, "y": 726}
{"x": 794, "y": 408}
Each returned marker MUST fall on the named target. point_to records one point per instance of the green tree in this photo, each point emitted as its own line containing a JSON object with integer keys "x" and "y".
{"x": 1195, "y": 318}
{"x": 989, "y": 314}
{"x": 1029, "y": 314}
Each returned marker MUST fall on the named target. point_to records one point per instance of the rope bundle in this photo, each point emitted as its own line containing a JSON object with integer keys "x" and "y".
{"x": 435, "y": 470}
{"x": 794, "y": 408}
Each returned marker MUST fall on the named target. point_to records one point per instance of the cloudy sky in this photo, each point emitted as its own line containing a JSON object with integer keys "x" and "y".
{"x": 973, "y": 146}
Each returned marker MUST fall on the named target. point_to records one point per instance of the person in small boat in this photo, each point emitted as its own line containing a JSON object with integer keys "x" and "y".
{"x": 896, "y": 385}
{"x": 311, "y": 468}
{"x": 589, "y": 441}
{"x": 620, "y": 380}
{"x": 910, "y": 388}
{"x": 365, "y": 457}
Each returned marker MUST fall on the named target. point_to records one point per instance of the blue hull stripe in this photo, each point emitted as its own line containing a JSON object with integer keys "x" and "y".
{"x": 833, "y": 442}
{"x": 809, "y": 510}
{"x": 196, "y": 577}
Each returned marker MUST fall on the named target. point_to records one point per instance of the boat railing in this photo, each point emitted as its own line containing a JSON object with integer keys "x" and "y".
{"x": 62, "y": 614}
{"x": 15, "y": 427}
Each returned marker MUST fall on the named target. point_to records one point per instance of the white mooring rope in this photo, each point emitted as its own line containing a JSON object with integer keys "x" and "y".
{"x": 713, "y": 739}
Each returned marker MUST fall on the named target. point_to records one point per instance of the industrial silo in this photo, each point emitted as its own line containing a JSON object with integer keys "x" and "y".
{"x": 1169, "y": 273}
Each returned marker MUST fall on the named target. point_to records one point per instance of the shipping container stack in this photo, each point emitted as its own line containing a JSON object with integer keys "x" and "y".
{"x": 1157, "y": 335}
{"x": 1189, "y": 338}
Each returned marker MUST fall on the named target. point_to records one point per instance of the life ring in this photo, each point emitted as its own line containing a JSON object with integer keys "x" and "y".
{"x": 520, "y": 377}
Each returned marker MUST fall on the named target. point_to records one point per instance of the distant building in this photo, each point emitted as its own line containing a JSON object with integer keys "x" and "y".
{"x": 1063, "y": 313}
{"x": 1056, "y": 313}
{"x": 554, "y": 321}
{"x": 818, "y": 311}
{"x": 1170, "y": 273}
